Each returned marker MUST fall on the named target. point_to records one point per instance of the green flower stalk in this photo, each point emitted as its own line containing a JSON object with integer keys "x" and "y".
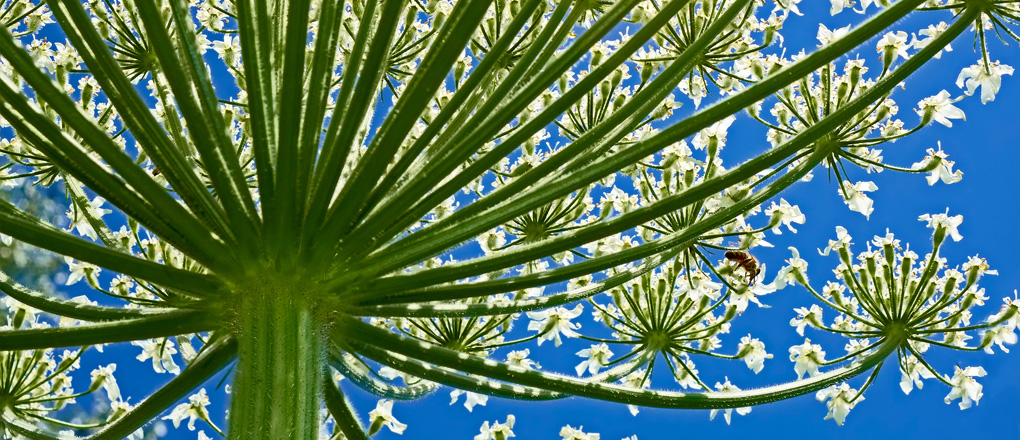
{"x": 321, "y": 195}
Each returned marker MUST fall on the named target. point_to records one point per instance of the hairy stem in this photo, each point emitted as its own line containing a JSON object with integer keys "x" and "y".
{"x": 280, "y": 366}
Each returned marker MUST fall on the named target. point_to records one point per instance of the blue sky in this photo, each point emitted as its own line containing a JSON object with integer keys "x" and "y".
{"x": 984, "y": 147}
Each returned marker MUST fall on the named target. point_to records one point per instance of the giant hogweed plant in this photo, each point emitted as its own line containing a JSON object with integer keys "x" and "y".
{"x": 380, "y": 202}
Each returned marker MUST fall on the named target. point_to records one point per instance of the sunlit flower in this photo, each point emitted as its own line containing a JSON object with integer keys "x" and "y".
{"x": 551, "y": 323}
{"x": 193, "y": 409}
{"x": 161, "y": 353}
{"x": 569, "y": 433}
{"x": 988, "y": 78}
{"x": 471, "y": 400}
{"x": 381, "y": 416}
{"x": 840, "y": 400}
{"x": 944, "y": 223}
{"x": 856, "y": 198}
{"x": 498, "y": 431}
{"x": 965, "y": 387}
{"x": 940, "y": 108}
{"x": 728, "y": 412}
{"x": 595, "y": 358}
{"x": 807, "y": 357}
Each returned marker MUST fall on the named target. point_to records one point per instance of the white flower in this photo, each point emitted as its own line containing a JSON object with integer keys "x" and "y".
{"x": 551, "y": 323}
{"x": 471, "y": 400}
{"x": 785, "y": 214}
{"x": 965, "y": 387}
{"x": 713, "y": 135}
{"x": 1000, "y": 335}
{"x": 842, "y": 240}
{"x": 752, "y": 351}
{"x": 490, "y": 240}
{"x": 826, "y": 36}
{"x": 989, "y": 80}
{"x": 941, "y": 109}
{"x": 569, "y": 433}
{"x": 911, "y": 373}
{"x": 161, "y": 354}
{"x": 728, "y": 412}
{"x": 841, "y": 399}
{"x": 893, "y": 45}
{"x": 192, "y": 410}
{"x": 807, "y": 357}
{"x": 228, "y": 49}
{"x": 519, "y": 358}
{"x": 498, "y": 431}
{"x": 855, "y": 197}
{"x": 381, "y": 416}
{"x": 950, "y": 224}
{"x": 931, "y": 32}
{"x": 839, "y": 5}
{"x": 637, "y": 379}
{"x": 806, "y": 316}
{"x": 81, "y": 270}
{"x": 787, "y": 6}
{"x": 978, "y": 264}
{"x": 942, "y": 171}
{"x": 104, "y": 376}
{"x": 687, "y": 377}
{"x": 788, "y": 275}
{"x": 596, "y": 357}
{"x": 79, "y": 221}
{"x": 742, "y": 297}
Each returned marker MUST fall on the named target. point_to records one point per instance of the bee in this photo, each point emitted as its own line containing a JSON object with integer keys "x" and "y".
{"x": 747, "y": 262}
{"x": 155, "y": 171}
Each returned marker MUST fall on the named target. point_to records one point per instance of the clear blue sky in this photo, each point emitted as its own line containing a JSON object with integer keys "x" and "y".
{"x": 984, "y": 147}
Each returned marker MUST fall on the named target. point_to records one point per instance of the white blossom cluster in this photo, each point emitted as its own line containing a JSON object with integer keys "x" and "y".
{"x": 561, "y": 203}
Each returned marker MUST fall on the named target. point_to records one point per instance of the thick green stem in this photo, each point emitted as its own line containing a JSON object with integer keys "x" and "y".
{"x": 281, "y": 360}
{"x": 441, "y": 356}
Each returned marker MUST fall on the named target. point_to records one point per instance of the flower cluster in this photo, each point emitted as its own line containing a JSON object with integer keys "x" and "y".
{"x": 889, "y": 299}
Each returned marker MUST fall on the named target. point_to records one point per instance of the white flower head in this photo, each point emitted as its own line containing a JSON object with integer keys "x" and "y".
{"x": 1000, "y": 335}
{"x": 945, "y": 223}
{"x": 192, "y": 410}
{"x": 551, "y": 323}
{"x": 989, "y": 79}
{"x": 840, "y": 400}
{"x": 381, "y": 416}
{"x": 842, "y": 240}
{"x": 161, "y": 353}
{"x": 965, "y": 387}
{"x": 941, "y": 167}
{"x": 826, "y": 36}
{"x": 806, "y": 316}
{"x": 728, "y": 412}
{"x": 784, "y": 214}
{"x": 839, "y": 5}
{"x": 103, "y": 376}
{"x": 856, "y": 198}
{"x": 519, "y": 358}
{"x": 471, "y": 400}
{"x": 498, "y": 431}
{"x": 911, "y": 373}
{"x": 714, "y": 135}
{"x": 940, "y": 109}
{"x": 752, "y": 351}
{"x": 596, "y": 357}
{"x": 807, "y": 357}
{"x": 570, "y": 433}
{"x": 794, "y": 271}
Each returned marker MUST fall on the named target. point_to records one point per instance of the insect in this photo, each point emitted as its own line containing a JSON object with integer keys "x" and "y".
{"x": 747, "y": 262}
